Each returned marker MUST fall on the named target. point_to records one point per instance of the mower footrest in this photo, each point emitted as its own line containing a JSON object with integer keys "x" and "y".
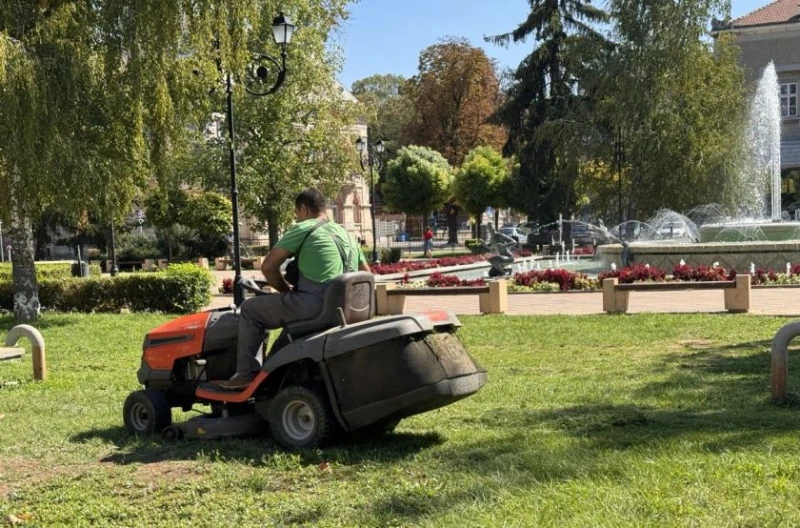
{"x": 213, "y": 392}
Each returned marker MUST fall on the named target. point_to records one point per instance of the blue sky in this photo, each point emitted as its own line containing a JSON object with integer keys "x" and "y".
{"x": 379, "y": 38}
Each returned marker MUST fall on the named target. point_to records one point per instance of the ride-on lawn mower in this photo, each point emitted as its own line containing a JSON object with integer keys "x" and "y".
{"x": 340, "y": 372}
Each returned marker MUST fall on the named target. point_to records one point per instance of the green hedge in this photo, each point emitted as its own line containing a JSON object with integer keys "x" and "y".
{"x": 390, "y": 255}
{"x": 477, "y": 246}
{"x": 48, "y": 270}
{"x": 181, "y": 288}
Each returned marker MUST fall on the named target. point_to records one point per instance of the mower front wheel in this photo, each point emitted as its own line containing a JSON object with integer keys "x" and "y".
{"x": 146, "y": 412}
{"x": 301, "y": 417}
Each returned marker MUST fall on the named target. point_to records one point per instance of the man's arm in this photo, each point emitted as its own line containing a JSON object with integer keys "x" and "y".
{"x": 271, "y": 268}
{"x": 363, "y": 266}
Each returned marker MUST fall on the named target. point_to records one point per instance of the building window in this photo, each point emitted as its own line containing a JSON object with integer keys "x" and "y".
{"x": 789, "y": 99}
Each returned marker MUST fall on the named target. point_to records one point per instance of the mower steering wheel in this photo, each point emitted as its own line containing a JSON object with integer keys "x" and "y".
{"x": 254, "y": 285}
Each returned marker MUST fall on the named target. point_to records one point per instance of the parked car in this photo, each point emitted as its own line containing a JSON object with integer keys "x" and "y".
{"x": 542, "y": 236}
{"x": 514, "y": 233}
{"x": 577, "y": 233}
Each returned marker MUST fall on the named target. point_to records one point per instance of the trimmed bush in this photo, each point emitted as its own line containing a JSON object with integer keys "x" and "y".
{"x": 48, "y": 270}
{"x": 181, "y": 288}
{"x": 133, "y": 247}
{"x": 390, "y": 255}
{"x": 477, "y": 246}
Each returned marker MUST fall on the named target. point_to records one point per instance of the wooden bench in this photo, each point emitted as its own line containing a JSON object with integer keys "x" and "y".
{"x": 224, "y": 264}
{"x": 391, "y": 300}
{"x": 737, "y": 292}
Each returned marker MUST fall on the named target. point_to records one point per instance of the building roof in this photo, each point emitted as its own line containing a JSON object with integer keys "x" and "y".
{"x": 777, "y": 12}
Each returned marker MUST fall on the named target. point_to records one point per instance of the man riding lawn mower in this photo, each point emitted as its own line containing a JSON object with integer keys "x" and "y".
{"x": 333, "y": 368}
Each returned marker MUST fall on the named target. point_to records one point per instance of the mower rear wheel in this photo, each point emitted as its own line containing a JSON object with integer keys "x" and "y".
{"x": 301, "y": 417}
{"x": 146, "y": 412}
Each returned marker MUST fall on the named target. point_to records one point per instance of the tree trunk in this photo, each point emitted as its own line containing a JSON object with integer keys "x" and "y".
{"x": 26, "y": 291}
{"x": 497, "y": 218}
{"x": 272, "y": 228}
{"x": 452, "y": 224}
{"x": 168, "y": 237}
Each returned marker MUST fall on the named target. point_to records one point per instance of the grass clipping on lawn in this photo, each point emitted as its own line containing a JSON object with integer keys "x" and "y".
{"x": 642, "y": 420}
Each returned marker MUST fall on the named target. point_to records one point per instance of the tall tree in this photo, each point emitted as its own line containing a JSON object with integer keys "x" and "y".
{"x": 454, "y": 93}
{"x": 165, "y": 212}
{"x": 417, "y": 181}
{"x": 544, "y": 100}
{"x": 98, "y": 97}
{"x": 479, "y": 182}
{"x": 297, "y": 137}
{"x": 67, "y": 126}
{"x": 389, "y": 111}
{"x": 678, "y": 99}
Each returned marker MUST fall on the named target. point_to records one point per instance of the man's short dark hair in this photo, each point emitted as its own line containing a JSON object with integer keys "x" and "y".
{"x": 314, "y": 200}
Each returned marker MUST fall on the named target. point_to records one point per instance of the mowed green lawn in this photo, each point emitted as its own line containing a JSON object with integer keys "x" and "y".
{"x": 644, "y": 420}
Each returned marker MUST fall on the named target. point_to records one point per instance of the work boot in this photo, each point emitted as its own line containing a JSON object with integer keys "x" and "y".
{"x": 237, "y": 382}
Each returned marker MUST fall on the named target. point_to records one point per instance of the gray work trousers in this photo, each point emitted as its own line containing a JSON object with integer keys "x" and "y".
{"x": 260, "y": 314}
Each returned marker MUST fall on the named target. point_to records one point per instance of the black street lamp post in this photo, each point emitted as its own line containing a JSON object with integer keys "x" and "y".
{"x": 619, "y": 160}
{"x": 374, "y": 157}
{"x": 255, "y": 84}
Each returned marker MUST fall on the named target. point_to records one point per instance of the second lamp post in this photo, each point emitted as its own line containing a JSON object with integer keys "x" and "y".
{"x": 374, "y": 157}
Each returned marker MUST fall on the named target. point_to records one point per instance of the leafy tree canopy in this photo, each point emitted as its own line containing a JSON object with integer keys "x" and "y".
{"x": 417, "y": 181}
{"x": 480, "y": 181}
{"x": 454, "y": 94}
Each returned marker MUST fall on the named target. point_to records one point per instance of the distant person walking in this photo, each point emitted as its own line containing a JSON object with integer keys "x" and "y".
{"x": 428, "y": 242}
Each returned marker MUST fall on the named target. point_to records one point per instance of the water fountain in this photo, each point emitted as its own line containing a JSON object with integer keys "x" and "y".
{"x": 757, "y": 231}
{"x": 762, "y": 178}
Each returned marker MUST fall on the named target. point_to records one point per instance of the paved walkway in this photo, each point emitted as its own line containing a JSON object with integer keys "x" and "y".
{"x": 777, "y": 301}
{"x": 763, "y": 301}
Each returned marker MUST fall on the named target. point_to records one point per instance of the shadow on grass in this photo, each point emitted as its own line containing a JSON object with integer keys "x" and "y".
{"x": 257, "y": 450}
{"x": 46, "y": 322}
{"x": 717, "y": 398}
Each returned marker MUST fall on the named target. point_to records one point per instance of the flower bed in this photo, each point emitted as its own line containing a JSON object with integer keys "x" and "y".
{"x": 563, "y": 280}
{"x": 566, "y": 280}
{"x": 438, "y": 280}
{"x": 405, "y": 266}
{"x": 635, "y": 273}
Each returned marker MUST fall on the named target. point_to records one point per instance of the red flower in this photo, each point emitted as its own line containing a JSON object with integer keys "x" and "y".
{"x": 437, "y": 280}
{"x": 565, "y": 279}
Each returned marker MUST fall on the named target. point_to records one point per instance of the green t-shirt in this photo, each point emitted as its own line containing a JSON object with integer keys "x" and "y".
{"x": 320, "y": 260}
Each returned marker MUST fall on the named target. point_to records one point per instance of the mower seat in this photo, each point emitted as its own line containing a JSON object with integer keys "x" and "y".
{"x": 353, "y": 292}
